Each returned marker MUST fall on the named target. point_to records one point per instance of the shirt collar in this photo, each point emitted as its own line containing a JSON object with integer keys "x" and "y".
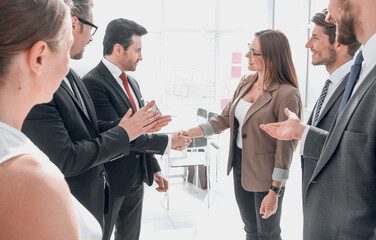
{"x": 369, "y": 50}
{"x": 114, "y": 70}
{"x": 341, "y": 72}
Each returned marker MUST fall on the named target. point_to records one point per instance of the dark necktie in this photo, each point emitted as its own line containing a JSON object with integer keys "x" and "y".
{"x": 77, "y": 93}
{"x": 354, "y": 75}
{"x": 126, "y": 86}
{"x": 74, "y": 88}
{"x": 320, "y": 101}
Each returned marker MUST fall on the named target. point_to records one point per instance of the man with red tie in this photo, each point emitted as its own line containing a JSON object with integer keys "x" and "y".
{"x": 114, "y": 92}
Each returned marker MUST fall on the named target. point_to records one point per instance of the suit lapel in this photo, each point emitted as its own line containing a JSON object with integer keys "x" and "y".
{"x": 113, "y": 83}
{"x": 136, "y": 90}
{"x": 336, "y": 132}
{"x": 86, "y": 100}
{"x": 337, "y": 93}
{"x": 261, "y": 101}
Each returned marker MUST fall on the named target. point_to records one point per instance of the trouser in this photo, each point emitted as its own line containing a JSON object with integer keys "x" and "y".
{"x": 125, "y": 213}
{"x": 249, "y": 204}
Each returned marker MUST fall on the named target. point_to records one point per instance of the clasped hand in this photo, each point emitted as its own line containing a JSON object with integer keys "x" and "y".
{"x": 180, "y": 140}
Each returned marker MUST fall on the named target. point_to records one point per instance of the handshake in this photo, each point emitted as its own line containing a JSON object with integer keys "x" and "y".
{"x": 180, "y": 140}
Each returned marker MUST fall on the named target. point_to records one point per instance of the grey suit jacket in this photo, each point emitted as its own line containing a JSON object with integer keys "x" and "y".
{"x": 340, "y": 200}
{"x": 312, "y": 147}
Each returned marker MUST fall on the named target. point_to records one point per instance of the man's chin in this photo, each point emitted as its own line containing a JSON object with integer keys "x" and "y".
{"x": 77, "y": 56}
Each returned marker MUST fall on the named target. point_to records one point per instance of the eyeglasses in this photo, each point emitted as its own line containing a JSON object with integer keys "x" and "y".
{"x": 252, "y": 52}
{"x": 93, "y": 28}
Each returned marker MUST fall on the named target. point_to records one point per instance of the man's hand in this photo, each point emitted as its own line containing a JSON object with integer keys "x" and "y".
{"x": 180, "y": 140}
{"x": 143, "y": 121}
{"x": 290, "y": 129}
{"x": 269, "y": 205}
{"x": 161, "y": 181}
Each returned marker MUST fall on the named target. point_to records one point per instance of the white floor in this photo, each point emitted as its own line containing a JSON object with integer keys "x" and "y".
{"x": 190, "y": 218}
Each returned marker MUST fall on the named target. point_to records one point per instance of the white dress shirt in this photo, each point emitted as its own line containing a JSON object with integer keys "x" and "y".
{"x": 116, "y": 72}
{"x": 336, "y": 78}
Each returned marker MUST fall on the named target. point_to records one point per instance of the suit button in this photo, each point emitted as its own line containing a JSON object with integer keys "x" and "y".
{"x": 137, "y": 156}
{"x": 244, "y": 136}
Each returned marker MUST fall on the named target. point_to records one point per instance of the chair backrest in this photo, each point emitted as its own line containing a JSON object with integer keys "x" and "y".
{"x": 198, "y": 142}
{"x": 211, "y": 114}
{"x": 202, "y": 115}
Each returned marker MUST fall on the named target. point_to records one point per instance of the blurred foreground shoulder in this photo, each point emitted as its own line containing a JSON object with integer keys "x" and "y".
{"x": 35, "y": 201}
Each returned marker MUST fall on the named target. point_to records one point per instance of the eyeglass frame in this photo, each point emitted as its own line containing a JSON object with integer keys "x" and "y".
{"x": 83, "y": 21}
{"x": 253, "y": 54}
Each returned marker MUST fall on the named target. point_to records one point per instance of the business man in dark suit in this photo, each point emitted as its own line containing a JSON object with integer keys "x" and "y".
{"x": 114, "y": 93}
{"x": 67, "y": 130}
{"x": 340, "y": 200}
{"x": 336, "y": 58}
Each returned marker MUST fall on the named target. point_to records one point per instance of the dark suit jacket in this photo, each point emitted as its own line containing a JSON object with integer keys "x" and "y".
{"x": 340, "y": 200}
{"x": 312, "y": 148}
{"x": 76, "y": 143}
{"x": 111, "y": 102}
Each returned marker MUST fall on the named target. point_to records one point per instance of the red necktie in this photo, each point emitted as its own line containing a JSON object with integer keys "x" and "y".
{"x": 126, "y": 86}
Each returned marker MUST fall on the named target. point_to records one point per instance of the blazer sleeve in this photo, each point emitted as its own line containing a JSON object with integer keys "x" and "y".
{"x": 318, "y": 137}
{"x": 101, "y": 97}
{"x": 284, "y": 150}
{"x": 45, "y": 127}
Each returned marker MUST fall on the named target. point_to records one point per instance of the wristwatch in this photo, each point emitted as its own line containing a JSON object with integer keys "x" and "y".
{"x": 278, "y": 191}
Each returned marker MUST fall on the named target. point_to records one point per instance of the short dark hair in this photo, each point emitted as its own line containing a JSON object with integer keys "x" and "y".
{"x": 120, "y": 31}
{"x": 330, "y": 30}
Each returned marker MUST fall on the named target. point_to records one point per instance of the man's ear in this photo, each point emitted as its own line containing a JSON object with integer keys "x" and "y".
{"x": 37, "y": 56}
{"x": 118, "y": 49}
{"x": 339, "y": 47}
{"x": 75, "y": 24}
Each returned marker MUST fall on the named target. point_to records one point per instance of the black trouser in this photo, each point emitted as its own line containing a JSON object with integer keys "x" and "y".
{"x": 249, "y": 204}
{"x": 125, "y": 213}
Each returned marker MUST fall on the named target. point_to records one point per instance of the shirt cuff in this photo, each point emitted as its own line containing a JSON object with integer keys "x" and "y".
{"x": 168, "y": 147}
{"x": 280, "y": 175}
{"x": 207, "y": 128}
{"x": 303, "y": 139}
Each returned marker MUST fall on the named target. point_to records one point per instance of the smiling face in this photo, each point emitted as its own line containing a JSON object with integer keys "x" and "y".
{"x": 323, "y": 52}
{"x": 255, "y": 63}
{"x": 344, "y": 14}
{"x": 132, "y": 55}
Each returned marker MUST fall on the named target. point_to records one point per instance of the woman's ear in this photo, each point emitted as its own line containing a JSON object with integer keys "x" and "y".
{"x": 37, "y": 56}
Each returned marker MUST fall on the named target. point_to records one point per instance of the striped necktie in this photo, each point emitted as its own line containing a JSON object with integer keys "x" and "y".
{"x": 320, "y": 101}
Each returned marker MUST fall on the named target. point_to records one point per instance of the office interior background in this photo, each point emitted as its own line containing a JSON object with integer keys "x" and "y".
{"x": 194, "y": 56}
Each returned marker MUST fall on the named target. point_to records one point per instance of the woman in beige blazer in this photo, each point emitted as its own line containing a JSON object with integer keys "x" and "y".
{"x": 261, "y": 163}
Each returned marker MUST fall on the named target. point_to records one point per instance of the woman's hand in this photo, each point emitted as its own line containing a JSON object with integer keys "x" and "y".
{"x": 269, "y": 205}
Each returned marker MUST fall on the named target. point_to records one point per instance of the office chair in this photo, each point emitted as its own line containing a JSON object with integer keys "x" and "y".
{"x": 195, "y": 155}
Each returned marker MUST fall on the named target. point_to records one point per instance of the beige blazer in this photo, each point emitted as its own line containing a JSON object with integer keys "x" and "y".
{"x": 262, "y": 155}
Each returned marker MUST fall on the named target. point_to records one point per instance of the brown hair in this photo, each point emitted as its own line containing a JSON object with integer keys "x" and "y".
{"x": 330, "y": 31}
{"x": 25, "y": 22}
{"x": 82, "y": 8}
{"x": 276, "y": 53}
